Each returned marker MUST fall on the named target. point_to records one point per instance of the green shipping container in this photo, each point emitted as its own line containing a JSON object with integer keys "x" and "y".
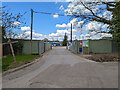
{"x": 27, "y": 47}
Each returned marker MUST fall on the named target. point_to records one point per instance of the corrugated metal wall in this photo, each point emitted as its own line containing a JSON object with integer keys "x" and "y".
{"x": 100, "y": 46}
{"x": 74, "y": 47}
{"x": 41, "y": 47}
{"x": 79, "y": 47}
{"x": 48, "y": 46}
{"x": 35, "y": 47}
{"x": 95, "y": 46}
{"x": 38, "y": 47}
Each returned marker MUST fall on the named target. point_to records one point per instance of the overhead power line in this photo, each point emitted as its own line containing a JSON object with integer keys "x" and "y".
{"x": 51, "y": 13}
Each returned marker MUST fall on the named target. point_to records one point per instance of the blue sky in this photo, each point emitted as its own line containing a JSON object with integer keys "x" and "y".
{"x": 45, "y": 25}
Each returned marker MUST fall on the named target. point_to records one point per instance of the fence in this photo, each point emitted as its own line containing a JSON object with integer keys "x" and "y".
{"x": 48, "y": 46}
{"x": 94, "y": 46}
{"x": 38, "y": 47}
{"x": 74, "y": 46}
{"x": 102, "y": 46}
{"x": 41, "y": 47}
{"x": 16, "y": 46}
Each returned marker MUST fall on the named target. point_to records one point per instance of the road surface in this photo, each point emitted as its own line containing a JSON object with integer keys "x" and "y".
{"x": 59, "y": 68}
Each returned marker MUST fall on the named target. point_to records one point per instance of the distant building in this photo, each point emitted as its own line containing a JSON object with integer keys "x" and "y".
{"x": 45, "y": 40}
{"x": 56, "y": 43}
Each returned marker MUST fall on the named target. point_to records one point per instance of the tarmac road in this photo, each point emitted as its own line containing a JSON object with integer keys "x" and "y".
{"x": 59, "y": 68}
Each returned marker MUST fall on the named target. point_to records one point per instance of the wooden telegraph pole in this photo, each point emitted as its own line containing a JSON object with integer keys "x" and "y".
{"x": 71, "y": 32}
{"x": 31, "y": 29}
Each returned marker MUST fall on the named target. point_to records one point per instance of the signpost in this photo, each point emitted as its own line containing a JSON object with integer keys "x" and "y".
{"x": 11, "y": 47}
{"x": 85, "y": 44}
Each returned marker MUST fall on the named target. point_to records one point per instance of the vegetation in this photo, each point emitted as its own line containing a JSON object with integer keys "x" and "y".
{"x": 7, "y": 63}
{"x": 11, "y": 23}
{"x": 115, "y": 27}
{"x": 95, "y": 13}
{"x": 65, "y": 41}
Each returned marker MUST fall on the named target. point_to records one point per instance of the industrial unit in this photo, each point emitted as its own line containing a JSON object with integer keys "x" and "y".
{"x": 56, "y": 43}
{"x": 38, "y": 47}
{"x": 93, "y": 46}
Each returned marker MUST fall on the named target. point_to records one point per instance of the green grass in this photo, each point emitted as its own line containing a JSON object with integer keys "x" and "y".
{"x": 8, "y": 63}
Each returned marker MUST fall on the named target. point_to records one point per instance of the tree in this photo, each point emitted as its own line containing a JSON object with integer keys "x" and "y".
{"x": 65, "y": 41}
{"x": 90, "y": 11}
{"x": 11, "y": 23}
{"x": 104, "y": 12}
{"x": 11, "y": 28}
{"x": 115, "y": 27}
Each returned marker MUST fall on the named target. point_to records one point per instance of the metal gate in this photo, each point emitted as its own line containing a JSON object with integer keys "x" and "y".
{"x": 41, "y": 47}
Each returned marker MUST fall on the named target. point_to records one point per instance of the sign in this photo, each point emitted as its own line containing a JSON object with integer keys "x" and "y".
{"x": 85, "y": 43}
{"x": 80, "y": 49}
{"x": 80, "y": 43}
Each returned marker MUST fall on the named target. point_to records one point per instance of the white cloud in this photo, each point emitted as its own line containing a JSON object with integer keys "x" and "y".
{"x": 53, "y": 34}
{"x": 25, "y": 28}
{"x": 82, "y": 35}
{"x": 75, "y": 24}
{"x": 16, "y": 23}
{"x": 105, "y": 35}
{"x": 74, "y": 30}
{"x": 87, "y": 35}
{"x": 93, "y": 26}
{"x": 74, "y": 20}
{"x": 107, "y": 15}
{"x": 61, "y": 26}
{"x": 60, "y": 33}
{"x": 93, "y": 33}
{"x": 56, "y": 15}
{"x": 105, "y": 26}
{"x": 61, "y": 7}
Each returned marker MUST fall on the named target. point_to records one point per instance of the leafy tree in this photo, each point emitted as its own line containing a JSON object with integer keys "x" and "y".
{"x": 115, "y": 27}
{"x": 90, "y": 11}
{"x": 64, "y": 43}
{"x": 57, "y": 41}
{"x": 104, "y": 12}
{"x": 11, "y": 28}
{"x": 11, "y": 24}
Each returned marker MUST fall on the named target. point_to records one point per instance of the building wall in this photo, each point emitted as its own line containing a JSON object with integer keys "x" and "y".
{"x": 41, "y": 47}
{"x": 79, "y": 49}
{"x": 95, "y": 46}
{"x": 100, "y": 46}
{"x": 47, "y": 46}
{"x": 56, "y": 43}
{"x": 74, "y": 47}
{"x": 27, "y": 47}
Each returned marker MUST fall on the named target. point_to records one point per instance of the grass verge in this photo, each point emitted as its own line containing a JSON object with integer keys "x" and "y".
{"x": 7, "y": 63}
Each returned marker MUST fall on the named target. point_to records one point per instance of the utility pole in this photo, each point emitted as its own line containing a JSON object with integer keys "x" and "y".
{"x": 31, "y": 29}
{"x": 71, "y": 32}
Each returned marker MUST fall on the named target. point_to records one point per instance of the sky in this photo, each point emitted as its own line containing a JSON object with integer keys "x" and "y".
{"x": 42, "y": 23}
{"x": 52, "y": 27}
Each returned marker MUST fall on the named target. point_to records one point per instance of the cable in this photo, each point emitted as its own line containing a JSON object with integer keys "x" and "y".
{"x": 51, "y": 13}
{"x": 27, "y": 18}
